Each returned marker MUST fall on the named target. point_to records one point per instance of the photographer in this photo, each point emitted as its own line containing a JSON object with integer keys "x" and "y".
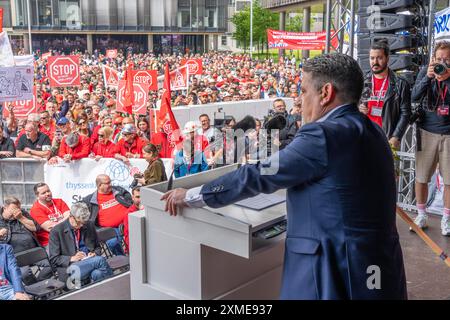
{"x": 388, "y": 96}
{"x": 431, "y": 89}
{"x": 290, "y": 129}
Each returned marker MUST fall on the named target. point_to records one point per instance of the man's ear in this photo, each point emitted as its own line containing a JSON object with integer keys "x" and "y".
{"x": 328, "y": 93}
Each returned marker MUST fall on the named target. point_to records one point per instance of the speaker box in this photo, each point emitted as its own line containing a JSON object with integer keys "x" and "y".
{"x": 395, "y": 41}
{"x": 384, "y": 5}
{"x": 396, "y": 61}
{"x": 383, "y": 22}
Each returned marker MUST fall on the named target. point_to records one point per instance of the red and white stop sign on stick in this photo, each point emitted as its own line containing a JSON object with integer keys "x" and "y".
{"x": 140, "y": 98}
{"x": 195, "y": 65}
{"x": 140, "y": 92}
{"x": 64, "y": 71}
{"x": 148, "y": 77}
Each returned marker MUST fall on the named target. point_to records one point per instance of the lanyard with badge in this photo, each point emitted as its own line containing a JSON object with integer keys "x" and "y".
{"x": 442, "y": 109}
{"x": 376, "y": 109}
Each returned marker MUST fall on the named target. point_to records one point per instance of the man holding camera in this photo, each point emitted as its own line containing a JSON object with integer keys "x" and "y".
{"x": 388, "y": 97}
{"x": 431, "y": 89}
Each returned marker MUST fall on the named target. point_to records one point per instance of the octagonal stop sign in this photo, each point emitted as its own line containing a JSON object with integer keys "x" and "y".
{"x": 140, "y": 98}
{"x": 147, "y": 77}
{"x": 63, "y": 71}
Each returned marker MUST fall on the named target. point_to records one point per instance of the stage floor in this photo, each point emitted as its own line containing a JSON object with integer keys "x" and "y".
{"x": 427, "y": 276}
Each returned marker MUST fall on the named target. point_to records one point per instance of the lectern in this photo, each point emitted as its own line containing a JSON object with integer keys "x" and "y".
{"x": 205, "y": 253}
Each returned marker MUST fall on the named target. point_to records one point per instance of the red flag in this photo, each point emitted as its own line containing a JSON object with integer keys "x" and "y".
{"x": 166, "y": 117}
{"x": 129, "y": 92}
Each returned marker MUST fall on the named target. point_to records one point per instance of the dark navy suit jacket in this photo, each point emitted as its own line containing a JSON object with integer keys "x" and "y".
{"x": 9, "y": 269}
{"x": 341, "y": 198}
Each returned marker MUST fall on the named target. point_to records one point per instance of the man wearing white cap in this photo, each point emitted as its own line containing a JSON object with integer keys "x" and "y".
{"x": 130, "y": 146}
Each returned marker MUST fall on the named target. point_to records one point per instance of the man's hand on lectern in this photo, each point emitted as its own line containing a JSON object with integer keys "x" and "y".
{"x": 174, "y": 200}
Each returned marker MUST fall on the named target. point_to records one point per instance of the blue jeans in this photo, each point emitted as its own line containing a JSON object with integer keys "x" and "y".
{"x": 115, "y": 244}
{"x": 96, "y": 268}
{"x": 7, "y": 293}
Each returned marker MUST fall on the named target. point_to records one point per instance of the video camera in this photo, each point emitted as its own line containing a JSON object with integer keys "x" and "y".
{"x": 221, "y": 119}
{"x": 274, "y": 120}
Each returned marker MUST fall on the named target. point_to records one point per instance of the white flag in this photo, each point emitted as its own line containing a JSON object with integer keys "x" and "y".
{"x": 6, "y": 54}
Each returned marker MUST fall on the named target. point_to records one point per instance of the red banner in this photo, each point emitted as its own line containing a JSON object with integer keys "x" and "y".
{"x": 297, "y": 40}
{"x": 64, "y": 71}
{"x": 1, "y": 19}
{"x": 140, "y": 92}
{"x": 22, "y": 108}
{"x": 112, "y": 54}
{"x": 195, "y": 65}
{"x": 148, "y": 77}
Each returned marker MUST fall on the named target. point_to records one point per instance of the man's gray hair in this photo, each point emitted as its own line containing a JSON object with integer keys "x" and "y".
{"x": 72, "y": 139}
{"x": 80, "y": 211}
{"x": 341, "y": 70}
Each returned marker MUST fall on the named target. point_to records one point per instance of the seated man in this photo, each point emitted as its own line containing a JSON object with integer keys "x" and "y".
{"x": 7, "y": 147}
{"x": 33, "y": 144}
{"x": 130, "y": 146}
{"x": 11, "y": 287}
{"x": 74, "y": 248}
{"x": 48, "y": 212}
{"x": 17, "y": 229}
{"x": 108, "y": 206}
{"x": 74, "y": 146}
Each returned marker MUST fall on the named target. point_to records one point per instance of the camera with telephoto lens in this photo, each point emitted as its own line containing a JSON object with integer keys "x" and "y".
{"x": 135, "y": 182}
{"x": 440, "y": 68}
{"x": 221, "y": 120}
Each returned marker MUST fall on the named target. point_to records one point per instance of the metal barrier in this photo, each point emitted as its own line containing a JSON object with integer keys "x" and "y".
{"x": 18, "y": 177}
{"x": 406, "y": 197}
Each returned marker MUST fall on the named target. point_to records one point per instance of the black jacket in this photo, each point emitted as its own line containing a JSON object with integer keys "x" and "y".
{"x": 287, "y": 134}
{"x": 397, "y": 105}
{"x": 122, "y": 196}
{"x": 62, "y": 243}
{"x": 426, "y": 91}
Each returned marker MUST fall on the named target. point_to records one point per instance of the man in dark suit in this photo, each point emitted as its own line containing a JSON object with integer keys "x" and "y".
{"x": 342, "y": 241}
{"x": 74, "y": 248}
{"x": 11, "y": 287}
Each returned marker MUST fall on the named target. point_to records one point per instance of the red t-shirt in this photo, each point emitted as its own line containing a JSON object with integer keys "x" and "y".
{"x": 376, "y": 101}
{"x": 42, "y": 213}
{"x": 104, "y": 150}
{"x": 80, "y": 151}
{"x": 50, "y": 132}
{"x": 122, "y": 147}
{"x": 110, "y": 212}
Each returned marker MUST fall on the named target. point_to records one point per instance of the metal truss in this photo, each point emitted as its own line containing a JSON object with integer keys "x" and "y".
{"x": 406, "y": 192}
{"x": 341, "y": 26}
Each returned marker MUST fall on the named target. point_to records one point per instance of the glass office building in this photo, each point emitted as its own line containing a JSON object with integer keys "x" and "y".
{"x": 159, "y": 25}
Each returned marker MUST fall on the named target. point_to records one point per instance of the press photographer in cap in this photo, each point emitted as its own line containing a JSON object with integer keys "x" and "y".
{"x": 433, "y": 142}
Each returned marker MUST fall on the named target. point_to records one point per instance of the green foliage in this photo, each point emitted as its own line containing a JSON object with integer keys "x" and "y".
{"x": 263, "y": 19}
{"x": 295, "y": 24}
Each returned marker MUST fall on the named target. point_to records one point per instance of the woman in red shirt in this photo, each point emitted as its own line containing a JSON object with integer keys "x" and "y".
{"x": 104, "y": 148}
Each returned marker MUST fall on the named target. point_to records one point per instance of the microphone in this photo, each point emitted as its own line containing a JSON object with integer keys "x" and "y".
{"x": 170, "y": 182}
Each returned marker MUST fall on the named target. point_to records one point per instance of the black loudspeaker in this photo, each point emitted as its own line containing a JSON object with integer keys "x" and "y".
{"x": 384, "y": 5}
{"x": 382, "y": 22}
{"x": 396, "y": 61}
{"x": 395, "y": 41}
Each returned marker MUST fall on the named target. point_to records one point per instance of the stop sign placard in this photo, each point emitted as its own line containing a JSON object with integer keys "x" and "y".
{"x": 148, "y": 77}
{"x": 63, "y": 71}
{"x": 140, "y": 98}
{"x": 195, "y": 66}
{"x": 140, "y": 92}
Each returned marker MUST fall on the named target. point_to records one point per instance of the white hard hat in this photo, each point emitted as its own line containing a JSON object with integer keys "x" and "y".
{"x": 189, "y": 127}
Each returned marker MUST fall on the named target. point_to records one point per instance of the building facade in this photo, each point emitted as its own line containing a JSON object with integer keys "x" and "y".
{"x": 169, "y": 26}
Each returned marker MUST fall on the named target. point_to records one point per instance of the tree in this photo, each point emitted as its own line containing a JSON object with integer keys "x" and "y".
{"x": 263, "y": 19}
{"x": 295, "y": 24}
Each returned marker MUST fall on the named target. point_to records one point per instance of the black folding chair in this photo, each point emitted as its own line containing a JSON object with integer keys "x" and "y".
{"x": 115, "y": 262}
{"x": 42, "y": 289}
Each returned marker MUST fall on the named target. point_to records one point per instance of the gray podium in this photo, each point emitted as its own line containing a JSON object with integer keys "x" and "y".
{"x": 204, "y": 253}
